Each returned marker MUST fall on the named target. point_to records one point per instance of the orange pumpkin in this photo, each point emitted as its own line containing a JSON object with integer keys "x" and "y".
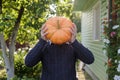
{"x": 58, "y": 29}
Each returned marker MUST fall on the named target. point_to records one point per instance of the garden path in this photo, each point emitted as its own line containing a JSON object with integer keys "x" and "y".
{"x": 82, "y": 75}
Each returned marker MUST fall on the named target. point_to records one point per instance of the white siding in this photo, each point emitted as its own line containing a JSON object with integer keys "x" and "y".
{"x": 98, "y": 67}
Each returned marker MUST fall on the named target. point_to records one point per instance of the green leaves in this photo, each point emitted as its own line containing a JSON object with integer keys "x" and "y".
{"x": 112, "y": 33}
{"x": 21, "y": 70}
{"x": 64, "y": 9}
{"x": 35, "y": 14}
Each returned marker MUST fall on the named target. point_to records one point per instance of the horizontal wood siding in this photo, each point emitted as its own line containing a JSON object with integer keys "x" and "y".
{"x": 98, "y": 67}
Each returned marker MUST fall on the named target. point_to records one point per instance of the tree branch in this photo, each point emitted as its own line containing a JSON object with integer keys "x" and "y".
{"x": 17, "y": 24}
{"x": 14, "y": 33}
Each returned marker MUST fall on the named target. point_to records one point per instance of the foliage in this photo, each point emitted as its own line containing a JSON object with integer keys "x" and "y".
{"x": 23, "y": 78}
{"x": 2, "y": 70}
{"x": 78, "y": 36}
{"x": 32, "y": 19}
{"x": 61, "y": 8}
{"x": 76, "y": 18}
{"x": 1, "y": 59}
{"x": 35, "y": 14}
{"x": 12, "y": 12}
{"x": 112, "y": 44}
{"x": 3, "y": 74}
{"x": 22, "y": 70}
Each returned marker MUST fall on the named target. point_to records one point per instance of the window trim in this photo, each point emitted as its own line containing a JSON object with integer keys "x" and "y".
{"x": 95, "y": 8}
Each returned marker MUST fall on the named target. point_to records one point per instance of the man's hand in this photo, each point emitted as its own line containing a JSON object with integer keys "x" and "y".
{"x": 73, "y": 32}
{"x": 43, "y": 32}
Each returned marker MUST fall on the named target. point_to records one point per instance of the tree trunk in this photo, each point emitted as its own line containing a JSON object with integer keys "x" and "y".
{"x": 9, "y": 67}
{"x": 9, "y": 56}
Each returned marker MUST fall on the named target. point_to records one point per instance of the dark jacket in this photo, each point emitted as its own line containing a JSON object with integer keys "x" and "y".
{"x": 58, "y": 60}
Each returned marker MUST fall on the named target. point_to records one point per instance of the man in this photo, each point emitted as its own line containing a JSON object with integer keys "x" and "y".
{"x": 58, "y": 60}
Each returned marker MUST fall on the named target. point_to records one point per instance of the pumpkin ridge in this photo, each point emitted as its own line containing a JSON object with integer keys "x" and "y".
{"x": 65, "y": 22}
{"x": 60, "y": 39}
{"x": 66, "y": 31}
{"x": 66, "y": 36}
{"x": 52, "y": 34}
{"x": 58, "y": 24}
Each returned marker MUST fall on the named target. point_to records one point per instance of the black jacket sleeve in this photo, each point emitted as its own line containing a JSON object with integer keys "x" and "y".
{"x": 34, "y": 55}
{"x": 83, "y": 53}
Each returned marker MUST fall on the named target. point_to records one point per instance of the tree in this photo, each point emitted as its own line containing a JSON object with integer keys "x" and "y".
{"x": 20, "y": 21}
{"x": 10, "y": 58}
{"x": 16, "y": 15}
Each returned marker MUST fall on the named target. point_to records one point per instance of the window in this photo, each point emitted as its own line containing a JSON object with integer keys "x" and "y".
{"x": 96, "y": 22}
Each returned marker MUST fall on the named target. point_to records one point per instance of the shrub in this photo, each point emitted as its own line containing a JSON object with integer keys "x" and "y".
{"x": 22, "y": 70}
{"x": 1, "y": 60}
{"x": 3, "y": 75}
{"x": 23, "y": 78}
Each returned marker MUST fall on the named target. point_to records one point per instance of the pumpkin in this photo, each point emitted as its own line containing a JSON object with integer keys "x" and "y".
{"x": 58, "y": 29}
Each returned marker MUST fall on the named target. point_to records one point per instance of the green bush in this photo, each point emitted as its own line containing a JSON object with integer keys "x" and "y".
{"x": 21, "y": 70}
{"x": 3, "y": 75}
{"x": 78, "y": 36}
{"x": 23, "y": 78}
{"x": 1, "y": 59}
{"x": 2, "y": 70}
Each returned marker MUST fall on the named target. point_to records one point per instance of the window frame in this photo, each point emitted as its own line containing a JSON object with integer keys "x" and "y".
{"x": 97, "y": 22}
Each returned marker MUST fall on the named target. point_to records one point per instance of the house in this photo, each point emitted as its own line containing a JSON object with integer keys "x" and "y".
{"x": 93, "y": 13}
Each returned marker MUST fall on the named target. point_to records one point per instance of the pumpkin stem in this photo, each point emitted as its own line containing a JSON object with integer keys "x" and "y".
{"x": 58, "y": 24}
